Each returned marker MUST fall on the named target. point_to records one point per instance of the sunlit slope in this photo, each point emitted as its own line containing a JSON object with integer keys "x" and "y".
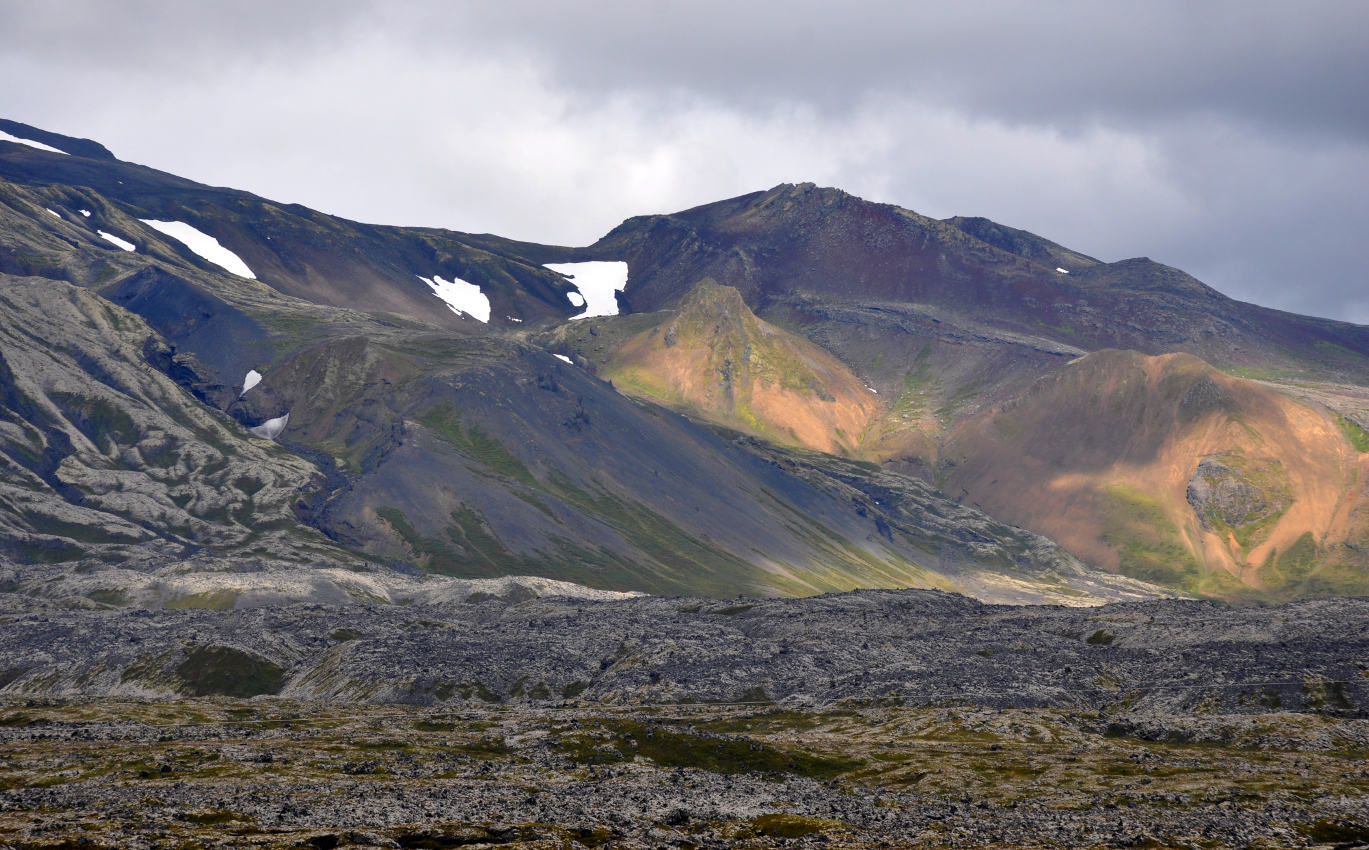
{"x": 1166, "y": 469}
{"x": 716, "y": 360}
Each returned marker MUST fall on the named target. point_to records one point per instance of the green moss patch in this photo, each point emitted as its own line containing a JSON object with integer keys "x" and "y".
{"x": 229, "y": 672}
{"x": 1149, "y": 547}
{"x": 210, "y": 600}
{"x": 624, "y": 740}
{"x": 791, "y": 826}
{"x": 444, "y": 421}
{"x": 1358, "y": 437}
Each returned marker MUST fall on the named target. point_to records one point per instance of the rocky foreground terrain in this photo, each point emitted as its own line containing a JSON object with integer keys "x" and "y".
{"x": 875, "y": 718}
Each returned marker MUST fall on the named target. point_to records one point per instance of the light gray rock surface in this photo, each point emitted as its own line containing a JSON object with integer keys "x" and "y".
{"x": 909, "y": 647}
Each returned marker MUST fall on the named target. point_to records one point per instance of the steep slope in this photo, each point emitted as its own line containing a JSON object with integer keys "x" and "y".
{"x": 715, "y": 358}
{"x": 1166, "y": 469}
{"x": 109, "y": 461}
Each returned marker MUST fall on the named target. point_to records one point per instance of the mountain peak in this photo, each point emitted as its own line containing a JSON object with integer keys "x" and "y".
{"x": 714, "y": 357}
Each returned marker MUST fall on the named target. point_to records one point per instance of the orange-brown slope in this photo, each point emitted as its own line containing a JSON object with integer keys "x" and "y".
{"x": 1166, "y": 469}
{"x": 715, "y": 359}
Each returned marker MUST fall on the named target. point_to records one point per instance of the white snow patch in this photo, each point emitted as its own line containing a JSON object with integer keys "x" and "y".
{"x": 53, "y": 211}
{"x": 514, "y": 319}
{"x": 1062, "y": 271}
{"x": 39, "y": 145}
{"x": 122, "y": 243}
{"x": 85, "y": 213}
{"x": 872, "y": 389}
{"x": 597, "y": 282}
{"x": 575, "y": 298}
{"x": 271, "y": 428}
{"x": 204, "y": 245}
{"x": 565, "y": 358}
{"x": 464, "y": 298}
{"x": 251, "y": 380}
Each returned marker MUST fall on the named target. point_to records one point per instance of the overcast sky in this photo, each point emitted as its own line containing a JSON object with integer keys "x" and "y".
{"x": 1230, "y": 139}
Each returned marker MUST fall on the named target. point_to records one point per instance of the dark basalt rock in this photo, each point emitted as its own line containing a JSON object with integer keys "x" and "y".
{"x": 1219, "y": 492}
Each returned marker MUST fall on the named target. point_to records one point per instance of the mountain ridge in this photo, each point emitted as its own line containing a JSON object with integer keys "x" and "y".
{"x": 422, "y": 439}
{"x": 429, "y": 439}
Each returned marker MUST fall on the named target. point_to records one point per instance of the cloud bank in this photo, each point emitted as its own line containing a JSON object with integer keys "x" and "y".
{"x": 1228, "y": 139}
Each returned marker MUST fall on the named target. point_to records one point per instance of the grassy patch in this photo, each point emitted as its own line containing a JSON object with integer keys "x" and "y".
{"x": 624, "y": 740}
{"x": 1102, "y": 637}
{"x": 101, "y": 422}
{"x": 1358, "y": 437}
{"x": 115, "y": 597}
{"x": 1149, "y": 547}
{"x": 791, "y": 826}
{"x": 229, "y": 672}
{"x": 209, "y": 600}
{"x": 444, "y": 421}
{"x": 733, "y": 610}
{"x": 436, "y": 555}
{"x": 215, "y": 817}
{"x": 1346, "y": 833}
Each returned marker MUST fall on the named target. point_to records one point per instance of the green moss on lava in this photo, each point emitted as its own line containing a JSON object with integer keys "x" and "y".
{"x": 613, "y": 741}
{"x": 225, "y": 671}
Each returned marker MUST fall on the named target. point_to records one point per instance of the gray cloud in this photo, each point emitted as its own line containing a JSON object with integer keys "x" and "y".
{"x": 1229, "y": 139}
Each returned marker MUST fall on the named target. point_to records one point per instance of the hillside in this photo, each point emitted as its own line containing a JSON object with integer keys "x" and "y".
{"x": 1166, "y": 469}
{"x": 969, "y": 331}
{"x": 714, "y": 358}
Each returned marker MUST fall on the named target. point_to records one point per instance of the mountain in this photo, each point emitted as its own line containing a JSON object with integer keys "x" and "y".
{"x": 942, "y": 315}
{"x": 201, "y": 379}
{"x": 792, "y": 384}
{"x": 992, "y": 349}
{"x": 1167, "y": 469}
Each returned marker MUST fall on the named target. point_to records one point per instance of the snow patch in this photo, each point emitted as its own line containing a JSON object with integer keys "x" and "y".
{"x": 122, "y": 243}
{"x": 513, "y": 319}
{"x": 597, "y": 282}
{"x": 204, "y": 245}
{"x": 464, "y": 298}
{"x": 85, "y": 213}
{"x": 6, "y": 137}
{"x": 251, "y": 380}
{"x": 53, "y": 211}
{"x": 271, "y": 428}
{"x": 1062, "y": 271}
{"x": 565, "y": 358}
{"x": 575, "y": 298}
{"x": 872, "y": 389}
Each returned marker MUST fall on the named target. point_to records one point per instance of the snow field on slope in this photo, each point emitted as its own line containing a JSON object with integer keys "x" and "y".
{"x": 6, "y": 137}
{"x": 271, "y": 428}
{"x": 464, "y": 298}
{"x": 122, "y": 243}
{"x": 597, "y": 282}
{"x": 204, "y": 245}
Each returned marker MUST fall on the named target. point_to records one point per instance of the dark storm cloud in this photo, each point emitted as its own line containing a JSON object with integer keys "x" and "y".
{"x": 1229, "y": 139}
{"x": 1299, "y": 66}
